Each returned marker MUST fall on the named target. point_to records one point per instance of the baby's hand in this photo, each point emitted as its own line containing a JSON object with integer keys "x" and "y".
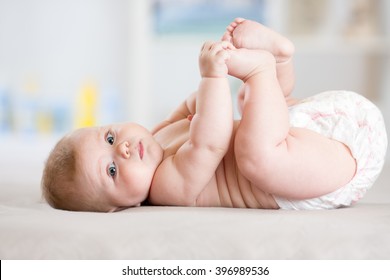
{"x": 213, "y": 57}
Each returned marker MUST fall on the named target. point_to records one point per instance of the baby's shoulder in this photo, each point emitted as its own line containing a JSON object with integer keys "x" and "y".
{"x": 164, "y": 177}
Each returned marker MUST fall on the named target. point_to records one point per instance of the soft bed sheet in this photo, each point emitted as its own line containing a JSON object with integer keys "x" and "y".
{"x": 30, "y": 229}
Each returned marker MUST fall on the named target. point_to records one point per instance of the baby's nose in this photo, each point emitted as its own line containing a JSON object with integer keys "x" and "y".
{"x": 123, "y": 149}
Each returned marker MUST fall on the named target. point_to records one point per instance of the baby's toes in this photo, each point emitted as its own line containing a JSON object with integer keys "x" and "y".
{"x": 227, "y": 36}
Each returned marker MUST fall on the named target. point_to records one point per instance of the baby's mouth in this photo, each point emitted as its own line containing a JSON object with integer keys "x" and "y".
{"x": 141, "y": 150}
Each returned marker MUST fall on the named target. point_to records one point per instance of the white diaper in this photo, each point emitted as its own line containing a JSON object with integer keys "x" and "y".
{"x": 353, "y": 120}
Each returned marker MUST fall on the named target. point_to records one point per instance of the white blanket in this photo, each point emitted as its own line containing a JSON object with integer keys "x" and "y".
{"x": 30, "y": 229}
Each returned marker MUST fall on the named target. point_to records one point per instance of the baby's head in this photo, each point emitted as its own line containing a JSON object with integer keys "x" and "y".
{"x": 101, "y": 168}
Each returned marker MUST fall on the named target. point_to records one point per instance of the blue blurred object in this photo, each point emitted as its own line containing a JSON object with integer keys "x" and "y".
{"x": 5, "y": 110}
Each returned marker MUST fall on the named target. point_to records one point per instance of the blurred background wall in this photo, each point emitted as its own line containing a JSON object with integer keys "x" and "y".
{"x": 68, "y": 63}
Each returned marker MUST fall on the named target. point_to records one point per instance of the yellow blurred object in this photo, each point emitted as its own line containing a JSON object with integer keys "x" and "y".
{"x": 45, "y": 122}
{"x": 86, "y": 106}
{"x": 31, "y": 85}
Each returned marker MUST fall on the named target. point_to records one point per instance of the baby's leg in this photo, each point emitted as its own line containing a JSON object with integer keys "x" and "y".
{"x": 288, "y": 162}
{"x": 252, "y": 35}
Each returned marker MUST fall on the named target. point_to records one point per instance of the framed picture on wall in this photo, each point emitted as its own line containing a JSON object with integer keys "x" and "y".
{"x": 202, "y": 16}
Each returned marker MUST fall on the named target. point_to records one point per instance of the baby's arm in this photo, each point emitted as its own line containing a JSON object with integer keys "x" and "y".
{"x": 212, "y": 125}
{"x": 186, "y": 108}
{"x": 194, "y": 164}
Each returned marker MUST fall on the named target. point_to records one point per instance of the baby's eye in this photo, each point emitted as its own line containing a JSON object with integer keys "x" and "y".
{"x": 111, "y": 170}
{"x": 110, "y": 138}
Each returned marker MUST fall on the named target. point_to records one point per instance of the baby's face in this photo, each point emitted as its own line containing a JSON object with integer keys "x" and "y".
{"x": 119, "y": 160}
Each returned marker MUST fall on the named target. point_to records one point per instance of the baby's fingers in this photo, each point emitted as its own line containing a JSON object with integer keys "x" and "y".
{"x": 215, "y": 47}
{"x": 218, "y": 46}
{"x": 207, "y": 46}
{"x": 227, "y": 45}
{"x": 222, "y": 55}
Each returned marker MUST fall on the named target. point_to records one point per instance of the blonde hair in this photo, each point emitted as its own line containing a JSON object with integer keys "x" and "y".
{"x": 61, "y": 186}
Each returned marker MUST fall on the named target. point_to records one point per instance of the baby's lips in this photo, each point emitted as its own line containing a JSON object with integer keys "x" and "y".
{"x": 141, "y": 150}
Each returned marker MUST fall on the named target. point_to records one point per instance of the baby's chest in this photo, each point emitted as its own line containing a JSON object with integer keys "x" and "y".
{"x": 173, "y": 136}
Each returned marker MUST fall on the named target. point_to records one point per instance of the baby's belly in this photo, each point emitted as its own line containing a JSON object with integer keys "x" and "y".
{"x": 229, "y": 188}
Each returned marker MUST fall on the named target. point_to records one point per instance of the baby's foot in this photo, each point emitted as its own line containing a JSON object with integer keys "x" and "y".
{"x": 245, "y": 63}
{"x": 243, "y": 33}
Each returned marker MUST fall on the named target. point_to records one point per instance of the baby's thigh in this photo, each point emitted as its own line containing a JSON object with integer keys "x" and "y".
{"x": 303, "y": 166}
{"x": 254, "y": 161}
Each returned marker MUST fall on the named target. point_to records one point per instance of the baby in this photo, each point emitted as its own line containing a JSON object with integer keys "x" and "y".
{"x": 323, "y": 152}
